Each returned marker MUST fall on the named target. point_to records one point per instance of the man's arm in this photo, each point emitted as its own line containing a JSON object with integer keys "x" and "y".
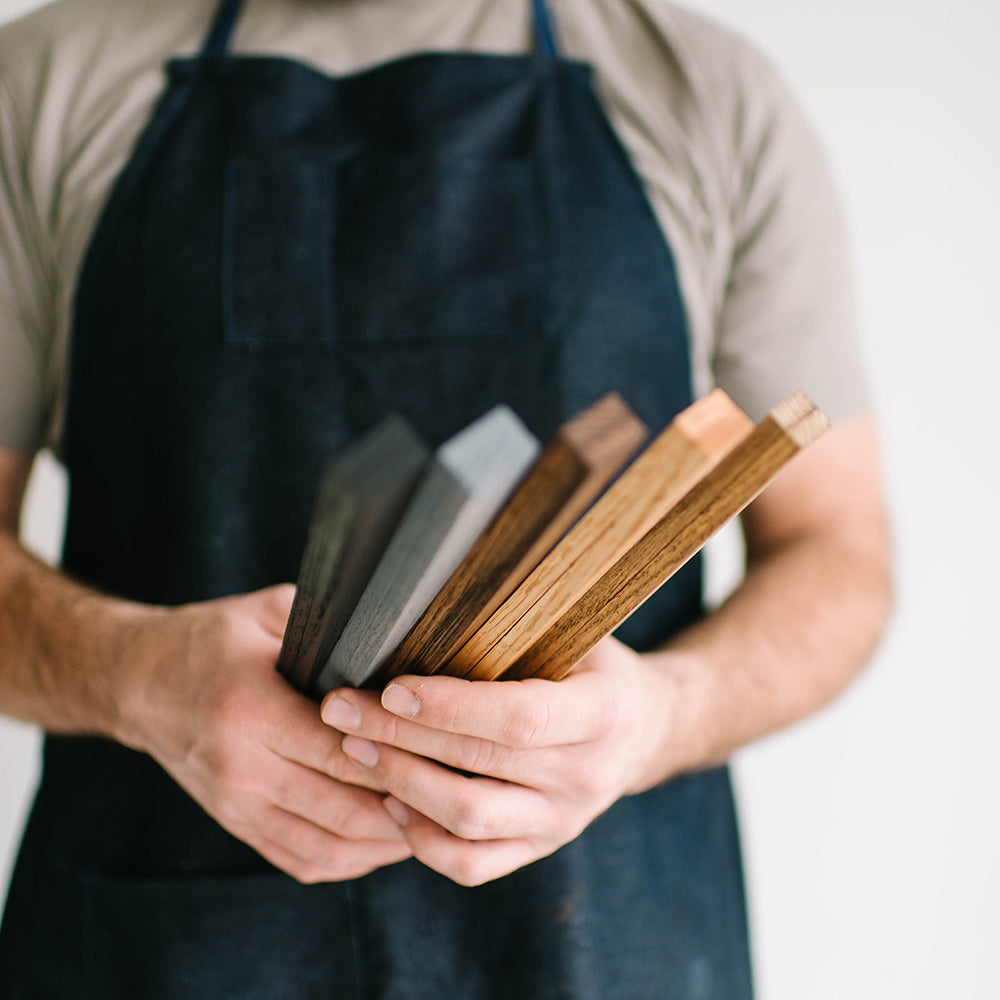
{"x": 554, "y": 755}
{"x": 812, "y": 607}
{"x": 196, "y": 688}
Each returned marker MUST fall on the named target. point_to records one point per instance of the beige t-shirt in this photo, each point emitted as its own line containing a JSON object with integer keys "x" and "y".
{"x": 734, "y": 174}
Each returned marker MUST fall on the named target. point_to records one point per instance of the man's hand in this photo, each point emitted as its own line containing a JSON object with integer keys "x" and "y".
{"x": 547, "y": 758}
{"x": 201, "y": 695}
{"x": 196, "y": 688}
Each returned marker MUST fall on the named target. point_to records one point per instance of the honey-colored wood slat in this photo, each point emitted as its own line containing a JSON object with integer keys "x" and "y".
{"x": 657, "y": 479}
{"x": 719, "y": 496}
{"x": 583, "y": 456}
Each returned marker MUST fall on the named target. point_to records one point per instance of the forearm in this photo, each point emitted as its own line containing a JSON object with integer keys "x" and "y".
{"x": 64, "y": 648}
{"x": 197, "y": 689}
{"x": 803, "y": 623}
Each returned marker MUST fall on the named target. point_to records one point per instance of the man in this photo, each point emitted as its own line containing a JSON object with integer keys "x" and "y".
{"x": 216, "y": 277}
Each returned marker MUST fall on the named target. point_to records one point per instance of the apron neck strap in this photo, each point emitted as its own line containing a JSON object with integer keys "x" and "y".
{"x": 544, "y": 33}
{"x": 217, "y": 40}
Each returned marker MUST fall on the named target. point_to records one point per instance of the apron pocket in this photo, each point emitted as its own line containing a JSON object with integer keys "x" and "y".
{"x": 258, "y": 937}
{"x": 430, "y": 249}
{"x": 276, "y": 244}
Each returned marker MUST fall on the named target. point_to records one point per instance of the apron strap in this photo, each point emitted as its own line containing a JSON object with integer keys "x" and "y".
{"x": 544, "y": 33}
{"x": 217, "y": 40}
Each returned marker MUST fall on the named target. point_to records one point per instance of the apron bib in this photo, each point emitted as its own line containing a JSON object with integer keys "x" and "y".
{"x": 288, "y": 257}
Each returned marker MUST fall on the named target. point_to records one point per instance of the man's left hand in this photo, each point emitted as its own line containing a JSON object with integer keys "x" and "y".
{"x": 539, "y": 760}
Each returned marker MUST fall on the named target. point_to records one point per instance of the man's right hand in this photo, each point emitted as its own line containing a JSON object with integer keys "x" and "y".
{"x": 195, "y": 687}
{"x": 198, "y": 691}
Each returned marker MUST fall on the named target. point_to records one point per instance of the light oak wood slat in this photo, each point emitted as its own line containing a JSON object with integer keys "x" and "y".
{"x": 359, "y": 502}
{"x": 657, "y": 479}
{"x": 466, "y": 482}
{"x": 719, "y": 496}
{"x": 580, "y": 460}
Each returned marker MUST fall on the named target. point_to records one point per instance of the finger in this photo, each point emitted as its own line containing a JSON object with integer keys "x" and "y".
{"x": 350, "y": 859}
{"x": 465, "y": 862}
{"x": 301, "y": 871}
{"x": 520, "y": 714}
{"x": 473, "y": 808}
{"x": 345, "y": 810}
{"x": 295, "y": 731}
{"x": 340, "y": 857}
{"x": 359, "y": 714}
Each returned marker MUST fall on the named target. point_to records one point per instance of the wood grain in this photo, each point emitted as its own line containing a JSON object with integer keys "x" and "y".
{"x": 580, "y": 460}
{"x": 717, "y": 497}
{"x": 650, "y": 487}
{"x": 464, "y": 485}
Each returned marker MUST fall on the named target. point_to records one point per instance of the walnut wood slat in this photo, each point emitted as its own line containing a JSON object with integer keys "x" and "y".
{"x": 650, "y": 487}
{"x": 575, "y": 466}
{"x": 720, "y": 495}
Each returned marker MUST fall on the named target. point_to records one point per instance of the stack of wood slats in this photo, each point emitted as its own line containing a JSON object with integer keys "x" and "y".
{"x": 556, "y": 558}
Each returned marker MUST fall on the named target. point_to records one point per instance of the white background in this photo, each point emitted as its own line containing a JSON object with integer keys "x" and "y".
{"x": 872, "y": 832}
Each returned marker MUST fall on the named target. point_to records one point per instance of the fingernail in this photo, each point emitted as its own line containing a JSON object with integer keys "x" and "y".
{"x": 363, "y": 751}
{"x": 396, "y": 810}
{"x": 340, "y": 713}
{"x": 400, "y": 701}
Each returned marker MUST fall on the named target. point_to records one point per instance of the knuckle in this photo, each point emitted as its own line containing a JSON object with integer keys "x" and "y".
{"x": 608, "y": 717}
{"x": 282, "y": 793}
{"x": 469, "y": 870}
{"x": 225, "y": 811}
{"x": 481, "y": 757}
{"x": 308, "y": 874}
{"x": 331, "y": 759}
{"x": 389, "y": 730}
{"x": 236, "y": 709}
{"x": 224, "y": 767}
{"x": 236, "y": 716}
{"x": 339, "y": 864}
{"x": 527, "y": 723}
{"x": 471, "y": 821}
{"x": 356, "y": 869}
{"x": 453, "y": 713}
{"x": 217, "y": 633}
{"x": 589, "y": 781}
{"x": 350, "y": 820}
{"x": 231, "y": 625}
{"x": 231, "y": 771}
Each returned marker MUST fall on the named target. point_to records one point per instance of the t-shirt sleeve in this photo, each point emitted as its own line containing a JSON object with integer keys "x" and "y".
{"x": 787, "y": 320}
{"x": 26, "y": 294}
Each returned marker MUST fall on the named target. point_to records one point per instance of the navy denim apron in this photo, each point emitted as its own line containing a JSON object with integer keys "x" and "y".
{"x": 287, "y": 258}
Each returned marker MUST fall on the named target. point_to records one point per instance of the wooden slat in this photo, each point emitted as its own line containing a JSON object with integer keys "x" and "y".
{"x": 464, "y": 485}
{"x": 720, "y": 495}
{"x": 657, "y": 479}
{"x": 583, "y": 456}
{"x": 359, "y": 502}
